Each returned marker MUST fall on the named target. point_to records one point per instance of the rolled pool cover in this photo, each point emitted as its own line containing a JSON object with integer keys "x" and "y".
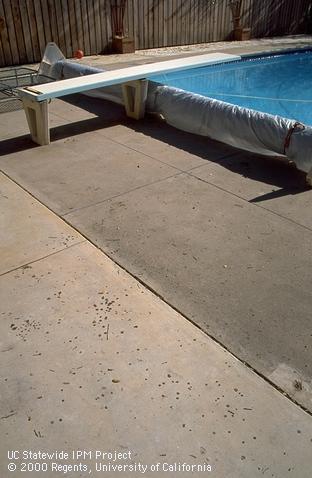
{"x": 234, "y": 125}
{"x": 240, "y": 127}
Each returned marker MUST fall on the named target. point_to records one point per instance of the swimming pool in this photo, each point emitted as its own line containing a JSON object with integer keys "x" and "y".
{"x": 279, "y": 84}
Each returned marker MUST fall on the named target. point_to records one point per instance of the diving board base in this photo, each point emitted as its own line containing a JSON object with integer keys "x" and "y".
{"x": 135, "y": 94}
{"x": 37, "y": 115}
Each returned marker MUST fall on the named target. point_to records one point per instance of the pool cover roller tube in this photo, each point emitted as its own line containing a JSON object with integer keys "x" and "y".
{"x": 234, "y": 125}
{"x": 240, "y": 127}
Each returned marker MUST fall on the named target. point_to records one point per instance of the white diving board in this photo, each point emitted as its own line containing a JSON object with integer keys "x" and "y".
{"x": 133, "y": 81}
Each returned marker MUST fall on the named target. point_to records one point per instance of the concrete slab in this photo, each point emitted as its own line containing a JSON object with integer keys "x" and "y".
{"x": 269, "y": 183}
{"x": 173, "y": 147}
{"x": 240, "y": 272}
{"x": 82, "y": 169}
{"x": 166, "y": 144}
{"x": 26, "y": 233}
{"x": 75, "y": 108}
{"x": 14, "y": 124}
{"x": 169, "y": 145}
{"x": 93, "y": 361}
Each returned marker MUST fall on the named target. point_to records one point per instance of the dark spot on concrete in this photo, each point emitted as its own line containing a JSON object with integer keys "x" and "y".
{"x": 297, "y": 385}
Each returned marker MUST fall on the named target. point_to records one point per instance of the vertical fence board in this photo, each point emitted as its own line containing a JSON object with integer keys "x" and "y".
{"x": 179, "y": 24}
{"x": 103, "y": 20}
{"x": 17, "y": 22}
{"x": 85, "y": 26}
{"x": 217, "y": 19}
{"x": 59, "y": 23}
{"x": 195, "y": 21}
{"x": 5, "y": 43}
{"x": 109, "y": 32}
{"x": 212, "y": 19}
{"x": 46, "y": 20}
{"x": 191, "y": 22}
{"x": 161, "y": 23}
{"x": 40, "y": 26}
{"x": 78, "y": 20}
{"x": 150, "y": 22}
{"x": 90, "y": 18}
{"x": 2, "y": 59}
{"x": 169, "y": 23}
{"x": 222, "y": 33}
{"x": 185, "y": 14}
{"x": 53, "y": 23}
{"x": 205, "y": 22}
{"x": 136, "y": 30}
{"x": 155, "y": 8}
{"x": 67, "y": 31}
{"x": 109, "y": 24}
{"x": 128, "y": 19}
{"x": 33, "y": 29}
{"x": 175, "y": 11}
{"x": 201, "y": 21}
{"x": 73, "y": 25}
{"x": 144, "y": 5}
{"x": 97, "y": 24}
{"x": 139, "y": 24}
{"x": 11, "y": 32}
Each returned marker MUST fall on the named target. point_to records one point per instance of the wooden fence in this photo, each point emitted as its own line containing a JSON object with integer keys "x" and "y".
{"x": 27, "y": 25}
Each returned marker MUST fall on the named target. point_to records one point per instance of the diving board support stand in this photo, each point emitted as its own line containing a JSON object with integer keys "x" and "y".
{"x": 37, "y": 114}
{"x": 134, "y": 95}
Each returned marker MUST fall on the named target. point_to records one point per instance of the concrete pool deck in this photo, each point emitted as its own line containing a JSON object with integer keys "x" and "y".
{"x": 97, "y": 351}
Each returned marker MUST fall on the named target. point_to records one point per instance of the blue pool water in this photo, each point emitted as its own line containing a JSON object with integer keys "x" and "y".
{"x": 279, "y": 84}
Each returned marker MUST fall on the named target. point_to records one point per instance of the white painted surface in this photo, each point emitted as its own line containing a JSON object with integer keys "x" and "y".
{"x": 107, "y": 78}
